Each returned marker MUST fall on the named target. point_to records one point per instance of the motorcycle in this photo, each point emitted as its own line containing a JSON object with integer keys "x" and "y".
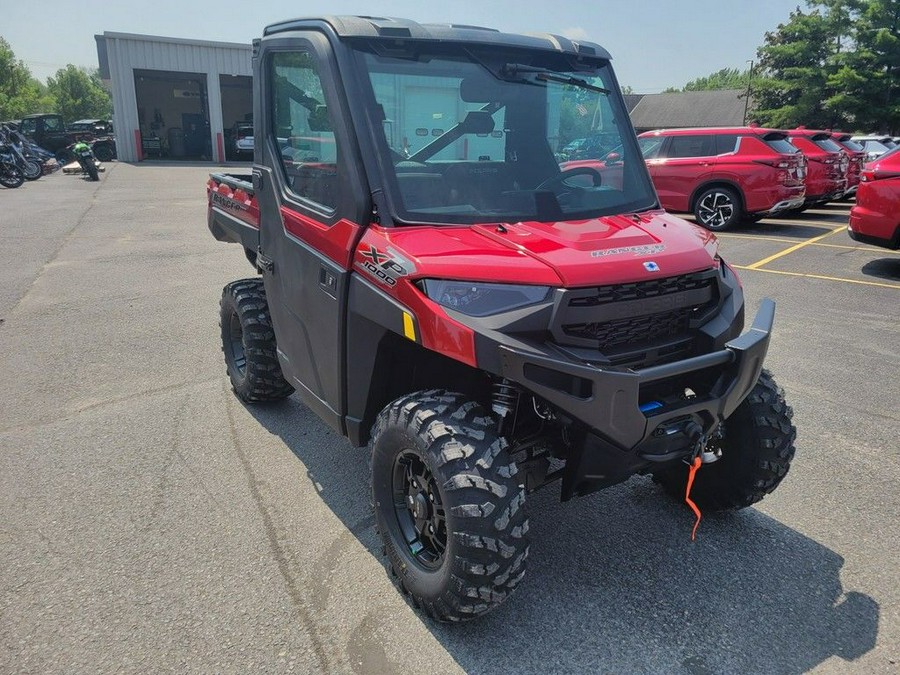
{"x": 85, "y": 157}
{"x": 13, "y": 152}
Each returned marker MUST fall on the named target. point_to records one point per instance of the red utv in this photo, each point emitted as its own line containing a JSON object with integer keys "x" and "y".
{"x": 826, "y": 177}
{"x": 724, "y": 175}
{"x": 875, "y": 219}
{"x": 487, "y": 322}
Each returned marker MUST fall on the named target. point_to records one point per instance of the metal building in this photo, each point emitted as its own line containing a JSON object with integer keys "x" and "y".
{"x": 175, "y": 98}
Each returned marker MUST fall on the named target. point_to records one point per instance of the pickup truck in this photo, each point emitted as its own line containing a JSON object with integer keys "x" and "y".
{"x": 50, "y": 132}
{"x": 432, "y": 283}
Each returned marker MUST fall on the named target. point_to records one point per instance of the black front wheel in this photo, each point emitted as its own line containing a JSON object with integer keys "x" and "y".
{"x": 757, "y": 449}
{"x": 718, "y": 208}
{"x": 32, "y": 169}
{"x": 448, "y": 505}
{"x": 10, "y": 176}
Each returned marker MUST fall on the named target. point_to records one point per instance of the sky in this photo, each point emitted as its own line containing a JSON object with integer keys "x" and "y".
{"x": 654, "y": 43}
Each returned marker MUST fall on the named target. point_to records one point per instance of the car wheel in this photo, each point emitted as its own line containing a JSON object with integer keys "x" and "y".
{"x": 718, "y": 208}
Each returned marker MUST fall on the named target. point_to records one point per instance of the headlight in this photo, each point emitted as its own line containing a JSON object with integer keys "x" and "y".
{"x": 475, "y": 298}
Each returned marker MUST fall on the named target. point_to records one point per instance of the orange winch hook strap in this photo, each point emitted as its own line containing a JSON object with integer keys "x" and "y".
{"x": 687, "y": 494}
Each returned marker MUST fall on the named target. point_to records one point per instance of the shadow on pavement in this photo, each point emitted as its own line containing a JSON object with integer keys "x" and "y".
{"x": 883, "y": 268}
{"x": 615, "y": 584}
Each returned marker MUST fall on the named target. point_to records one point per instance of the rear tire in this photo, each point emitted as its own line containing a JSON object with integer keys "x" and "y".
{"x": 718, "y": 208}
{"x": 448, "y": 505}
{"x": 33, "y": 170}
{"x": 103, "y": 152}
{"x": 756, "y": 454}
{"x": 248, "y": 341}
{"x": 92, "y": 170}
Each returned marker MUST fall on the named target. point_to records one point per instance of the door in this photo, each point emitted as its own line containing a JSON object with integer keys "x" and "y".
{"x": 682, "y": 165}
{"x": 310, "y": 194}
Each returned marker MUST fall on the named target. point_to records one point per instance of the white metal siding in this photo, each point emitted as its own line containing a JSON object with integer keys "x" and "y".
{"x": 129, "y": 52}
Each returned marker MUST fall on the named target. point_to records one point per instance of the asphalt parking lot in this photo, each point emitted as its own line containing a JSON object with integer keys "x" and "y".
{"x": 150, "y": 522}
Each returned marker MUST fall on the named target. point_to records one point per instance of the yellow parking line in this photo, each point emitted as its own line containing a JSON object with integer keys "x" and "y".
{"x": 867, "y": 249}
{"x": 727, "y": 235}
{"x": 820, "y": 276}
{"x": 786, "y": 240}
{"x": 795, "y": 247}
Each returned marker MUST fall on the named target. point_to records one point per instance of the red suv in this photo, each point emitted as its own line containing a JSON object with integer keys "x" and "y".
{"x": 826, "y": 179}
{"x": 856, "y": 153}
{"x": 875, "y": 219}
{"x": 723, "y": 175}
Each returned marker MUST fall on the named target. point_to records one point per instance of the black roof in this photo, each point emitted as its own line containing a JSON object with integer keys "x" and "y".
{"x": 389, "y": 28}
{"x": 724, "y": 107}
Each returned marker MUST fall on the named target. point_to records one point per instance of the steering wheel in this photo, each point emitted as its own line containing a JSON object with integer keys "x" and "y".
{"x": 566, "y": 174}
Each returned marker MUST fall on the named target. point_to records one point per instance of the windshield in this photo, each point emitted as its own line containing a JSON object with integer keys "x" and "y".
{"x": 487, "y": 136}
{"x": 827, "y": 144}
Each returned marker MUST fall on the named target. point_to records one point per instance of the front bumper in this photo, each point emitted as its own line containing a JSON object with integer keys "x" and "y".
{"x": 623, "y": 439}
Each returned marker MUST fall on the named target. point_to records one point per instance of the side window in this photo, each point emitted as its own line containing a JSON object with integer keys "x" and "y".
{"x": 692, "y": 146}
{"x": 303, "y": 129}
{"x": 726, "y": 143}
{"x": 52, "y": 124}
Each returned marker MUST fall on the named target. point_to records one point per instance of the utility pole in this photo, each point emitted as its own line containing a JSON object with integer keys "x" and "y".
{"x": 747, "y": 95}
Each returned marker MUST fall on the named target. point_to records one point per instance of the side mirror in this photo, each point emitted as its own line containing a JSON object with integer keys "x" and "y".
{"x": 613, "y": 157}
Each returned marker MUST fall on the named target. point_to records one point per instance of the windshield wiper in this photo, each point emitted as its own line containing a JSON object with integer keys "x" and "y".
{"x": 512, "y": 70}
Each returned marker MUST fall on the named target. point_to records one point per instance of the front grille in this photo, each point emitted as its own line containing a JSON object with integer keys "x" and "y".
{"x": 644, "y": 289}
{"x": 633, "y": 330}
{"x": 641, "y": 323}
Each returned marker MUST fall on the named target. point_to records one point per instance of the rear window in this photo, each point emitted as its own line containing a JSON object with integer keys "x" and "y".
{"x": 779, "y": 143}
{"x": 850, "y": 144}
{"x": 726, "y": 143}
{"x": 827, "y": 145}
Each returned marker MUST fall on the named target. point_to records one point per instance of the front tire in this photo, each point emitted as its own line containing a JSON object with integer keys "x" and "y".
{"x": 718, "y": 208}
{"x": 448, "y": 505}
{"x": 10, "y": 176}
{"x": 757, "y": 450}
{"x": 248, "y": 341}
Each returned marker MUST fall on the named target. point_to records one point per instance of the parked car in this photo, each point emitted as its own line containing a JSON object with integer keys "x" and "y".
{"x": 856, "y": 155}
{"x": 724, "y": 174}
{"x": 826, "y": 176}
{"x": 94, "y": 127}
{"x": 242, "y": 135}
{"x": 49, "y": 132}
{"x": 875, "y": 218}
{"x": 588, "y": 147}
{"x": 875, "y": 146}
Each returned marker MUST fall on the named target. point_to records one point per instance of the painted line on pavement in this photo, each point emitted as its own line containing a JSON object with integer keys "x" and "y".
{"x": 819, "y": 276}
{"x": 795, "y": 247}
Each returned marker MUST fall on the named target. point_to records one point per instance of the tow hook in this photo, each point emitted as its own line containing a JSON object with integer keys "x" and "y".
{"x": 701, "y": 449}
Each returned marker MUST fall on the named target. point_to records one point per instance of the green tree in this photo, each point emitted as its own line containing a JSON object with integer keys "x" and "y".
{"x": 20, "y": 93}
{"x": 870, "y": 77}
{"x": 794, "y": 64}
{"x": 727, "y": 78}
{"x": 79, "y": 94}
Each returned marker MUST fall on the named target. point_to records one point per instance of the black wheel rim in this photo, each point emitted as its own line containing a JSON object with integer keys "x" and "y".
{"x": 236, "y": 341}
{"x": 419, "y": 510}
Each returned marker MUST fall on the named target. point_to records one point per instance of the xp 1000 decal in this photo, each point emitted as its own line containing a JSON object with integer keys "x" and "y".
{"x": 386, "y": 266}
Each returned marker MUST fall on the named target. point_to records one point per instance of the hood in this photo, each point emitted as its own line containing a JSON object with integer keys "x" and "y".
{"x": 600, "y": 251}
